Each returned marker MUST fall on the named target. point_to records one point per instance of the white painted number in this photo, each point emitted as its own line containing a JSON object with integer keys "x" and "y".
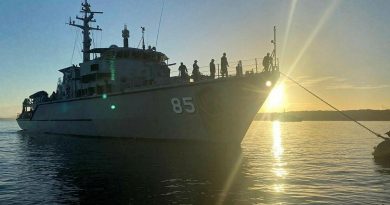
{"x": 176, "y": 106}
{"x": 188, "y": 105}
{"x": 185, "y": 103}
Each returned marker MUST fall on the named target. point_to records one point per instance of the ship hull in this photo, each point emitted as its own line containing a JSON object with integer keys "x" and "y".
{"x": 216, "y": 110}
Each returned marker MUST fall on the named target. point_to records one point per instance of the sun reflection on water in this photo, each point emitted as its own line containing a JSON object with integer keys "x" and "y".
{"x": 278, "y": 166}
{"x": 277, "y": 147}
{"x": 279, "y": 188}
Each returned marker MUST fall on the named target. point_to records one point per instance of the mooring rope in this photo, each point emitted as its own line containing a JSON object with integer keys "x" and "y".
{"x": 341, "y": 112}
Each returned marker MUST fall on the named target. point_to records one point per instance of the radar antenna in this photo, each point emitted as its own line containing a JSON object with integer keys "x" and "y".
{"x": 88, "y": 17}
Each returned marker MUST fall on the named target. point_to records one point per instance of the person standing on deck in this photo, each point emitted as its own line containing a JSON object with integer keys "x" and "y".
{"x": 183, "y": 70}
{"x": 212, "y": 69}
{"x": 195, "y": 71}
{"x": 266, "y": 61}
{"x": 239, "y": 68}
{"x": 224, "y": 66}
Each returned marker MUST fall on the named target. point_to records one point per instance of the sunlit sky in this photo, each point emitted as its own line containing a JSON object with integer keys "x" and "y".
{"x": 338, "y": 49}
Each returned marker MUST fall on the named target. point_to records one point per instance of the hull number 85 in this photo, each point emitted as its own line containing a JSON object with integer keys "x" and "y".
{"x": 184, "y": 104}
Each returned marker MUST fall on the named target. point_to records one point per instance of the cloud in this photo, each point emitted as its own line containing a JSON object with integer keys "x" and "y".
{"x": 356, "y": 87}
{"x": 333, "y": 83}
{"x": 325, "y": 79}
{"x": 311, "y": 81}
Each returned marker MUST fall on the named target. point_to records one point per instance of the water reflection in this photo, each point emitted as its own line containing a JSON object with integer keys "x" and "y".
{"x": 277, "y": 147}
{"x": 230, "y": 179}
{"x": 383, "y": 165}
{"x": 117, "y": 171}
{"x": 278, "y": 162}
{"x": 309, "y": 164}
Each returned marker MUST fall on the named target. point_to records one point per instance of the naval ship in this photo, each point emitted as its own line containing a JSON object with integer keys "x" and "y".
{"x": 130, "y": 92}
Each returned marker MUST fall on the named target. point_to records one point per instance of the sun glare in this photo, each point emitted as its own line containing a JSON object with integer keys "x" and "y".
{"x": 275, "y": 99}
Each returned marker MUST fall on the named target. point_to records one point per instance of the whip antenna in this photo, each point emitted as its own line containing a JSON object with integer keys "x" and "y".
{"x": 159, "y": 23}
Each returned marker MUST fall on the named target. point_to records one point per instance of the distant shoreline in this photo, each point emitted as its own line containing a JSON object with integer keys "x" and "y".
{"x": 360, "y": 115}
{"x": 7, "y": 119}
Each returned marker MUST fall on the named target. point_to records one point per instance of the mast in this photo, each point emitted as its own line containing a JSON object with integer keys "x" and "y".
{"x": 143, "y": 38}
{"x": 274, "y": 52}
{"x": 88, "y": 17}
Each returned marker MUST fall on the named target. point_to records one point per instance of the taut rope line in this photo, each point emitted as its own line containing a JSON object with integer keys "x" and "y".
{"x": 341, "y": 112}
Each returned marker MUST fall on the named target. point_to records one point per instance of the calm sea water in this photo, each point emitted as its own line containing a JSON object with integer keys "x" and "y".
{"x": 278, "y": 163}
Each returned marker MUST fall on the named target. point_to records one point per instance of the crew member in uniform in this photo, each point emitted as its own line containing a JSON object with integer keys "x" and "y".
{"x": 239, "y": 68}
{"x": 224, "y": 66}
{"x": 266, "y": 62}
{"x": 195, "y": 71}
{"x": 212, "y": 69}
{"x": 183, "y": 70}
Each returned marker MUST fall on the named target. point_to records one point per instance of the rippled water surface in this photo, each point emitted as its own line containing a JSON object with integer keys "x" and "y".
{"x": 277, "y": 163}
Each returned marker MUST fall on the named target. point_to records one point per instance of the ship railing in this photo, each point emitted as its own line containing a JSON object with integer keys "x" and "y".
{"x": 249, "y": 66}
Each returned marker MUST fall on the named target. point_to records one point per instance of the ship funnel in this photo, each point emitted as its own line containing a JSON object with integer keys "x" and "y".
{"x": 125, "y": 35}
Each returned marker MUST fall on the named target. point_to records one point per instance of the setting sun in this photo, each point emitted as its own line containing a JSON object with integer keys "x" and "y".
{"x": 275, "y": 100}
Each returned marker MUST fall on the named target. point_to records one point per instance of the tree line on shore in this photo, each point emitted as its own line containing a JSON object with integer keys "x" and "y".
{"x": 320, "y": 115}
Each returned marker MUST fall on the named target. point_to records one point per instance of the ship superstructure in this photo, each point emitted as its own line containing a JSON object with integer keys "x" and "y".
{"x": 129, "y": 92}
